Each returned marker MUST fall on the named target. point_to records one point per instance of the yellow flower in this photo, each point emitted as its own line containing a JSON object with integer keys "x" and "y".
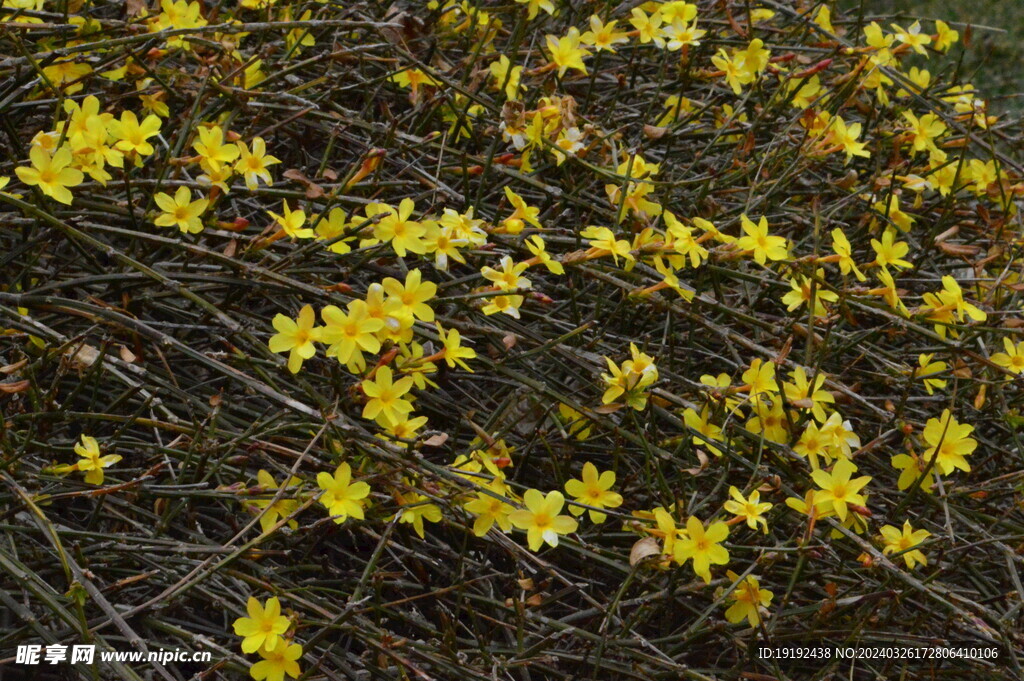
{"x": 824, "y": 19}
{"x": 567, "y": 52}
{"x": 912, "y": 36}
{"x": 842, "y": 248}
{"x": 292, "y": 222}
{"x": 283, "y": 659}
{"x": 949, "y": 442}
{"x": 541, "y": 518}
{"x": 760, "y": 378}
{"x": 297, "y": 38}
{"x": 603, "y": 36}
{"x": 534, "y": 5}
{"x": 413, "y": 294}
{"x": 800, "y": 394}
{"x": 708, "y": 431}
{"x": 216, "y": 178}
{"x": 489, "y": 509}
{"x": 682, "y": 33}
{"x": 945, "y": 36}
{"x": 911, "y": 467}
{"x": 132, "y": 137}
{"x": 263, "y": 627}
{"x": 648, "y": 27}
{"x": 281, "y": 508}
{"x": 577, "y": 425}
{"x": 846, "y": 136}
{"x": 748, "y": 597}
{"x": 404, "y": 429}
{"x": 341, "y": 497}
{"x": 903, "y": 542}
{"x": 927, "y": 368}
{"x": 397, "y": 227}
{"x": 838, "y": 490}
{"x": 754, "y": 58}
{"x": 734, "y": 73}
{"x": 667, "y": 530}
{"x": 680, "y": 238}
{"x": 920, "y": 80}
{"x": 51, "y": 173}
{"x": 443, "y": 243}
{"x": 630, "y": 379}
{"x": 454, "y": 353}
{"x": 535, "y": 244}
{"x": 890, "y": 252}
{"x": 593, "y": 490}
{"x": 413, "y": 79}
{"x": 1012, "y": 359}
{"x": 770, "y": 419}
{"x": 891, "y": 210}
{"x": 813, "y": 444}
{"x": 890, "y": 293}
{"x": 506, "y": 76}
{"x": 352, "y": 334}
{"x": 91, "y": 463}
{"x": 805, "y": 291}
{"x": 386, "y": 404}
{"x": 503, "y": 303}
{"x": 464, "y": 226}
{"x": 253, "y": 164}
{"x": 415, "y": 509}
{"x": 332, "y": 228}
{"x": 212, "y": 149}
{"x": 67, "y": 74}
{"x": 508, "y": 278}
{"x": 925, "y": 130}
{"x": 523, "y": 214}
{"x": 81, "y": 115}
{"x": 181, "y": 211}
{"x": 703, "y": 547}
{"x": 296, "y": 337}
{"x": 760, "y": 243}
{"x": 751, "y": 508}
{"x": 603, "y": 242}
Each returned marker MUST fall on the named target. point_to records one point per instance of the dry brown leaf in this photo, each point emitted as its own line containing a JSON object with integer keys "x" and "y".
{"x": 643, "y": 549}
{"x": 14, "y": 387}
{"x": 11, "y": 368}
{"x": 436, "y": 440}
{"x": 958, "y": 249}
{"x": 313, "y": 190}
{"x": 84, "y": 357}
{"x": 654, "y": 132}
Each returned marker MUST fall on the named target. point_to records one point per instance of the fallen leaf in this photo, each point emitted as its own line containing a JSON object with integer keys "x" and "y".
{"x": 11, "y": 368}
{"x": 313, "y": 190}
{"x": 84, "y": 357}
{"x": 14, "y": 387}
{"x": 436, "y": 440}
{"x": 643, "y": 549}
